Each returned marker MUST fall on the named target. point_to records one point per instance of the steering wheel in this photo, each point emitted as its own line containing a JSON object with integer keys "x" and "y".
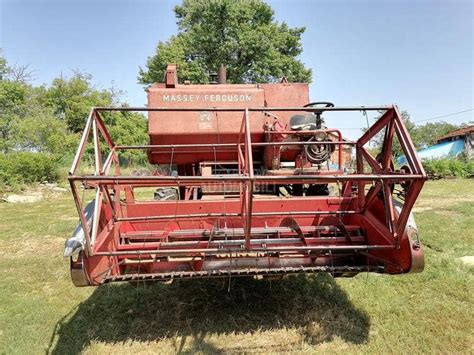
{"x": 320, "y": 103}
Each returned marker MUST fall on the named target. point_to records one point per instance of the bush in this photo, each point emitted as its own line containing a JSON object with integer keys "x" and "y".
{"x": 442, "y": 168}
{"x": 27, "y": 167}
{"x": 470, "y": 168}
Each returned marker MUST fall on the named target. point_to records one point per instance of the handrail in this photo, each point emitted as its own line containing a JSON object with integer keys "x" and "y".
{"x": 250, "y": 109}
{"x": 111, "y": 180}
{"x": 391, "y": 120}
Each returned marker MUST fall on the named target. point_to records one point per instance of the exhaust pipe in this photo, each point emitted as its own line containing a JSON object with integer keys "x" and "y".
{"x": 222, "y": 75}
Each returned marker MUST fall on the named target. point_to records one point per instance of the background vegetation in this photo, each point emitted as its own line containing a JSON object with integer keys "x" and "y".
{"x": 423, "y": 136}
{"x": 242, "y": 35}
{"x": 449, "y": 168}
{"x": 40, "y": 126}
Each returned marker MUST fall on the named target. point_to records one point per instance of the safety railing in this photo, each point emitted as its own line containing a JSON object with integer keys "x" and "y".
{"x": 382, "y": 177}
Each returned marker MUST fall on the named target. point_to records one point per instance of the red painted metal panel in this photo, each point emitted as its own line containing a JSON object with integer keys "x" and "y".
{"x": 214, "y": 127}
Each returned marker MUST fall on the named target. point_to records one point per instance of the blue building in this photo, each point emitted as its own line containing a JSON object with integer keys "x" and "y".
{"x": 450, "y": 145}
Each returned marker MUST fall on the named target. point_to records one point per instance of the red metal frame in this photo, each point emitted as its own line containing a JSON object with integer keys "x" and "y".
{"x": 245, "y": 235}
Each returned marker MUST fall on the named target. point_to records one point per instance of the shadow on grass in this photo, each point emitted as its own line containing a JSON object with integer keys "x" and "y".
{"x": 193, "y": 309}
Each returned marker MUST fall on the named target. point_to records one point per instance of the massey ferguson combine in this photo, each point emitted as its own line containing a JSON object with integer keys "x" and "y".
{"x": 254, "y": 184}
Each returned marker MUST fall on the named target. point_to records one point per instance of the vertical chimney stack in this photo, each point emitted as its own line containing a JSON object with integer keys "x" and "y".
{"x": 222, "y": 75}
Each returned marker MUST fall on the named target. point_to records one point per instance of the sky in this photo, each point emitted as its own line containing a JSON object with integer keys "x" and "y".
{"x": 417, "y": 54}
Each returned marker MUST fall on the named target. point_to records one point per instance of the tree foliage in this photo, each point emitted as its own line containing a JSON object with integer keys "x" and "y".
{"x": 22, "y": 167}
{"x": 13, "y": 106}
{"x": 376, "y": 142}
{"x": 428, "y": 134}
{"x": 128, "y": 128}
{"x": 4, "y": 69}
{"x": 72, "y": 99}
{"x": 40, "y": 126}
{"x": 243, "y": 35}
{"x": 422, "y": 135}
{"x": 43, "y": 132}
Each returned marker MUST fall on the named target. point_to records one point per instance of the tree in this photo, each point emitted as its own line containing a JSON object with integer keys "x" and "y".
{"x": 128, "y": 128}
{"x": 43, "y": 132}
{"x": 376, "y": 142}
{"x": 427, "y": 134}
{"x": 4, "y": 69}
{"x": 40, "y": 126}
{"x": 17, "y": 73}
{"x": 13, "y": 99}
{"x": 72, "y": 99}
{"x": 243, "y": 35}
{"x": 422, "y": 136}
{"x": 22, "y": 73}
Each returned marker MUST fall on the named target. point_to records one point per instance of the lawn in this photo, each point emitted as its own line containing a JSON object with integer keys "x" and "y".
{"x": 41, "y": 311}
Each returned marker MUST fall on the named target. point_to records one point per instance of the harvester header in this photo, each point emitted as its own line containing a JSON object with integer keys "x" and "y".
{"x": 251, "y": 182}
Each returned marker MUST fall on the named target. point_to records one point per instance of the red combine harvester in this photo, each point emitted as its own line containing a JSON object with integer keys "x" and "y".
{"x": 255, "y": 184}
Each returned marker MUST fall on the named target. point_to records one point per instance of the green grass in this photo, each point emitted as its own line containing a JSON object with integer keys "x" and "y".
{"x": 429, "y": 312}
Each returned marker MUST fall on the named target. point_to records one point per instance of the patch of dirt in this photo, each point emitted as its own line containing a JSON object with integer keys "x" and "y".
{"x": 468, "y": 260}
{"x": 35, "y": 194}
{"x": 447, "y": 213}
{"x": 69, "y": 218}
{"x": 422, "y": 209}
{"x": 31, "y": 197}
{"x": 31, "y": 245}
{"x": 428, "y": 203}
